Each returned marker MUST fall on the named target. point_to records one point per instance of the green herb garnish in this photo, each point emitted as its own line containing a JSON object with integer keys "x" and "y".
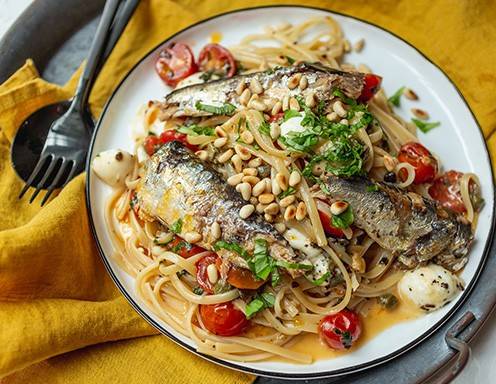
{"x": 233, "y": 247}
{"x": 339, "y": 93}
{"x": 288, "y": 265}
{"x": 177, "y": 226}
{"x": 290, "y": 113}
{"x": 286, "y": 193}
{"x": 198, "y": 291}
{"x": 321, "y": 279}
{"x": 261, "y": 264}
{"x": 259, "y": 303}
{"x": 396, "y": 98}
{"x": 196, "y": 130}
{"x": 372, "y": 188}
{"x": 290, "y": 60}
{"x": 343, "y": 220}
{"x": 226, "y": 109}
{"x": 179, "y": 246}
{"x": 264, "y": 128}
{"x": 425, "y": 126}
{"x": 221, "y": 286}
{"x": 275, "y": 277}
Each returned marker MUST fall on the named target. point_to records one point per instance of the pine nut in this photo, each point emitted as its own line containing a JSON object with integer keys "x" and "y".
{"x": 253, "y": 200}
{"x": 255, "y": 162}
{"x": 303, "y": 82}
{"x": 347, "y": 46}
{"x": 203, "y": 155}
{"x": 259, "y": 188}
{"x": 290, "y": 213}
{"x": 245, "y": 190}
{"x": 344, "y": 122}
{"x": 235, "y": 179}
{"x": 358, "y": 46}
{"x": 246, "y": 211}
{"x": 310, "y": 100}
{"x": 252, "y": 180}
{"x": 390, "y": 163}
{"x": 294, "y": 80}
{"x": 260, "y": 207}
{"x": 287, "y": 201}
{"x": 219, "y": 131}
{"x": 242, "y": 152}
{"x": 255, "y": 86}
{"x": 272, "y": 209}
{"x": 240, "y": 87}
{"x": 285, "y": 103}
{"x": 275, "y": 131}
{"x": 237, "y": 163}
{"x": 294, "y": 178}
{"x": 409, "y": 94}
{"x": 282, "y": 181}
{"x": 247, "y": 137}
{"x": 276, "y": 189}
{"x": 338, "y": 207}
{"x": 337, "y": 107}
{"x": 266, "y": 198}
{"x": 215, "y": 230}
{"x": 280, "y": 227}
{"x": 332, "y": 116}
{"x": 420, "y": 113}
{"x": 250, "y": 172}
{"x": 293, "y": 104}
{"x": 276, "y": 108}
{"x": 212, "y": 273}
{"x": 268, "y": 218}
{"x": 226, "y": 156}
{"x": 192, "y": 237}
{"x": 245, "y": 97}
{"x": 317, "y": 170}
{"x": 301, "y": 211}
{"x": 220, "y": 142}
{"x": 268, "y": 185}
{"x": 257, "y": 105}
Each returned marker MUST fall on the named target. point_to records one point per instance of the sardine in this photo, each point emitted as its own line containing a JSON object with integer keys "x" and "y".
{"x": 414, "y": 228}
{"x": 322, "y": 81}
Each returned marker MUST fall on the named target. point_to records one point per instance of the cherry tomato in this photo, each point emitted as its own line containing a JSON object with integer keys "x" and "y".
{"x": 175, "y": 63}
{"x": 446, "y": 190}
{"x": 171, "y": 135}
{"x": 183, "y": 248}
{"x": 276, "y": 117}
{"x": 243, "y": 279}
{"x": 223, "y": 319}
{"x": 371, "y": 85}
{"x": 421, "y": 159}
{"x": 329, "y": 229}
{"x": 340, "y": 330}
{"x": 217, "y": 59}
{"x": 151, "y": 144}
{"x": 201, "y": 272}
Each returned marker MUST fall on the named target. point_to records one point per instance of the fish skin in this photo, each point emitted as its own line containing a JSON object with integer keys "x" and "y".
{"x": 321, "y": 80}
{"x": 178, "y": 185}
{"x": 414, "y": 228}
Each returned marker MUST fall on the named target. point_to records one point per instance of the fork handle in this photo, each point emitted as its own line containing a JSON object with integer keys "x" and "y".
{"x": 96, "y": 50}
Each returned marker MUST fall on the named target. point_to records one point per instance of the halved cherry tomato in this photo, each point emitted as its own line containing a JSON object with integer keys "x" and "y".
{"x": 446, "y": 190}
{"x": 183, "y": 248}
{"x": 151, "y": 144}
{"x": 201, "y": 272}
{"x": 421, "y": 159}
{"x": 340, "y": 330}
{"x": 175, "y": 63}
{"x": 223, "y": 319}
{"x": 171, "y": 135}
{"x": 217, "y": 59}
{"x": 371, "y": 85}
{"x": 243, "y": 279}
{"x": 329, "y": 229}
{"x": 276, "y": 117}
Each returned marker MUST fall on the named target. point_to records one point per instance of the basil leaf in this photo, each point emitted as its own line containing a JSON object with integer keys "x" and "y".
{"x": 342, "y": 96}
{"x": 196, "y": 130}
{"x": 425, "y": 126}
{"x": 290, "y": 113}
{"x": 264, "y": 128}
{"x": 233, "y": 247}
{"x": 286, "y": 193}
{"x": 343, "y": 220}
{"x": 300, "y": 141}
{"x": 275, "y": 277}
{"x": 259, "y": 303}
{"x": 396, "y": 97}
{"x": 261, "y": 264}
{"x": 288, "y": 265}
{"x": 290, "y": 60}
{"x": 321, "y": 279}
{"x": 344, "y": 157}
{"x": 372, "y": 188}
{"x": 177, "y": 226}
{"x": 226, "y": 109}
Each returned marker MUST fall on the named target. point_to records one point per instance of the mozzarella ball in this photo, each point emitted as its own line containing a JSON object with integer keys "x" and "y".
{"x": 113, "y": 166}
{"x": 292, "y": 125}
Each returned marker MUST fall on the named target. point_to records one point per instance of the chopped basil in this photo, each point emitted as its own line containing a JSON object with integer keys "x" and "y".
{"x": 342, "y": 96}
{"x": 290, "y": 113}
{"x": 264, "y": 128}
{"x": 177, "y": 226}
{"x": 372, "y": 188}
{"x": 196, "y": 130}
{"x": 221, "y": 286}
{"x": 321, "y": 279}
{"x": 198, "y": 291}
{"x": 182, "y": 244}
{"x": 288, "y": 265}
{"x": 396, "y": 98}
{"x": 286, "y": 193}
{"x": 259, "y": 303}
{"x": 343, "y": 220}
{"x": 425, "y": 126}
{"x": 261, "y": 264}
{"x": 275, "y": 277}
{"x": 233, "y": 247}
{"x": 290, "y": 60}
{"x": 300, "y": 141}
{"x": 226, "y": 109}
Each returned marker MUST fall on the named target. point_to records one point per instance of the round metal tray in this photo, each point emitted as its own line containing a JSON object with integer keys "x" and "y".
{"x": 59, "y": 51}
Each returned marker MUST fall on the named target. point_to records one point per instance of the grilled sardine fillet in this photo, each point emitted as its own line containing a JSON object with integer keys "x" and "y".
{"x": 414, "y": 228}
{"x": 322, "y": 81}
{"x": 178, "y": 185}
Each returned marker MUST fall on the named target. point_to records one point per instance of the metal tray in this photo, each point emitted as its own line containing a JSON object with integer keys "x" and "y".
{"x": 59, "y": 51}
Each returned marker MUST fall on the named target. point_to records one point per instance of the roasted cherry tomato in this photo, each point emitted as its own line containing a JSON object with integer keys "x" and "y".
{"x": 216, "y": 59}
{"x": 223, "y": 319}
{"x": 371, "y": 85}
{"x": 446, "y": 190}
{"x": 183, "y": 248}
{"x": 151, "y": 144}
{"x": 276, "y": 117}
{"x": 201, "y": 272}
{"x": 243, "y": 279}
{"x": 421, "y": 159}
{"x": 329, "y": 229}
{"x": 340, "y": 330}
{"x": 175, "y": 63}
{"x": 171, "y": 135}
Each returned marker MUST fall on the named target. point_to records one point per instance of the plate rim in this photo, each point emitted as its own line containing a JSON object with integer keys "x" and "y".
{"x": 281, "y": 375}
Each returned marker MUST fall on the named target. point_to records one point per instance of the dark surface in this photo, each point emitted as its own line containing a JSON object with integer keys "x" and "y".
{"x": 58, "y": 52}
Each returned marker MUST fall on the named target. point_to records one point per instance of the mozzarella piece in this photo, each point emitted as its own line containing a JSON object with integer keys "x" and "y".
{"x": 429, "y": 287}
{"x": 292, "y": 125}
{"x": 113, "y": 166}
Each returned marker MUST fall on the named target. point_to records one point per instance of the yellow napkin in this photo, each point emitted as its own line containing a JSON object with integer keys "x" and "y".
{"x": 55, "y": 296}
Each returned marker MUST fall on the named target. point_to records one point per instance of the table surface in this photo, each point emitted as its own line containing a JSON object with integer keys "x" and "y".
{"x": 482, "y": 364}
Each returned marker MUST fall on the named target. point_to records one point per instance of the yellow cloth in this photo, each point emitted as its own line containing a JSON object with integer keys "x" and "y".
{"x": 55, "y": 296}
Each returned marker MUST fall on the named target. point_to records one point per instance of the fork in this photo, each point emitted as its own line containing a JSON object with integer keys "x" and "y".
{"x": 64, "y": 152}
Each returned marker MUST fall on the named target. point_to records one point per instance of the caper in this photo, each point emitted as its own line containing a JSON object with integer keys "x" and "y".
{"x": 390, "y": 177}
{"x": 388, "y": 300}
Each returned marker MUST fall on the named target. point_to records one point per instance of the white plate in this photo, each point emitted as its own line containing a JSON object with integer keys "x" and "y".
{"x": 458, "y": 142}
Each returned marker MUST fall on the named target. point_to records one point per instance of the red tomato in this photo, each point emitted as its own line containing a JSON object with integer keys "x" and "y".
{"x": 151, "y": 144}
{"x": 340, "y": 330}
{"x": 171, "y": 135}
{"x": 217, "y": 59}
{"x": 183, "y": 248}
{"x": 276, "y": 117}
{"x": 446, "y": 190}
{"x": 421, "y": 159}
{"x": 371, "y": 85}
{"x": 201, "y": 272}
{"x": 223, "y": 319}
{"x": 329, "y": 229}
{"x": 175, "y": 63}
